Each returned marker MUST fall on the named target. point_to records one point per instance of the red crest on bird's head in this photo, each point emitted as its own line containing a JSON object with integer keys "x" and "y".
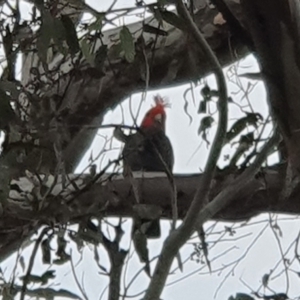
{"x": 156, "y": 116}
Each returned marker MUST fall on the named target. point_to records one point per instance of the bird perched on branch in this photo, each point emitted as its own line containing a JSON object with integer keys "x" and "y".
{"x": 149, "y": 149}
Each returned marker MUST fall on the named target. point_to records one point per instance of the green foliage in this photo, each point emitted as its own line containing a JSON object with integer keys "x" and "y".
{"x": 71, "y": 35}
{"x": 127, "y": 44}
{"x": 241, "y": 124}
{"x": 97, "y": 25}
{"x": 139, "y": 239}
{"x": 100, "y": 57}
{"x": 173, "y": 19}
{"x": 46, "y": 251}
{"x": 43, "y": 279}
{"x": 245, "y": 143}
{"x": 63, "y": 257}
{"x": 154, "y": 30}
{"x": 241, "y": 296}
{"x": 61, "y": 32}
{"x": 86, "y": 51}
{"x": 205, "y": 125}
{"x": 44, "y": 36}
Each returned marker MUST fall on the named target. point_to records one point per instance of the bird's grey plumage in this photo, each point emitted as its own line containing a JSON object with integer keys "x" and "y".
{"x": 148, "y": 152}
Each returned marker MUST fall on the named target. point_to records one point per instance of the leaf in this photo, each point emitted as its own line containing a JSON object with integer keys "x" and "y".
{"x": 265, "y": 280}
{"x": 154, "y": 30}
{"x": 156, "y": 13}
{"x": 241, "y": 124}
{"x": 61, "y": 247}
{"x": 59, "y": 35}
{"x": 202, "y": 107}
{"x": 71, "y": 36}
{"x": 100, "y": 57}
{"x": 7, "y": 42}
{"x": 76, "y": 238}
{"x": 89, "y": 236}
{"x": 229, "y": 230}
{"x": 242, "y": 296}
{"x": 205, "y": 124}
{"x": 127, "y": 44}
{"x": 205, "y": 92}
{"x": 245, "y": 143}
{"x": 86, "y": 51}
{"x": 22, "y": 262}
{"x": 46, "y": 251}
{"x": 140, "y": 244}
{"x": 45, "y": 35}
{"x": 97, "y": 25}
{"x": 50, "y": 274}
{"x": 173, "y": 19}
{"x": 43, "y": 279}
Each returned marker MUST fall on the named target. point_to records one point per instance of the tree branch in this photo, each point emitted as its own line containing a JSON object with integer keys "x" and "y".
{"x": 178, "y": 237}
{"x": 31, "y": 262}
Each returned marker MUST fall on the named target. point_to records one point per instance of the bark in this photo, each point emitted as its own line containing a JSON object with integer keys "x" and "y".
{"x": 274, "y": 29}
{"x": 116, "y": 198}
{"x": 117, "y": 258}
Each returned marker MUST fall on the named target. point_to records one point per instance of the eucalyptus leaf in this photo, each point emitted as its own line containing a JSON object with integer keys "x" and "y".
{"x": 59, "y": 35}
{"x": 46, "y": 251}
{"x": 86, "y": 51}
{"x": 151, "y": 29}
{"x": 127, "y": 44}
{"x": 97, "y": 25}
{"x": 44, "y": 36}
{"x": 173, "y": 19}
{"x": 100, "y": 57}
{"x": 71, "y": 36}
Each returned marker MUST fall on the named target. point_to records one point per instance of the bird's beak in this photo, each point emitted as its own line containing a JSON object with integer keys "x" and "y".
{"x": 158, "y": 118}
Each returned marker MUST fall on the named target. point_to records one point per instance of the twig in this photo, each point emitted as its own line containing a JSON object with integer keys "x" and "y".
{"x": 282, "y": 254}
{"x": 236, "y": 263}
{"x": 76, "y": 279}
{"x": 31, "y": 262}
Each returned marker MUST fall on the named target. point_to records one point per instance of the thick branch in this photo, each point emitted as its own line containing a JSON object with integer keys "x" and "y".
{"x": 275, "y": 36}
{"x": 116, "y": 257}
{"x": 116, "y": 198}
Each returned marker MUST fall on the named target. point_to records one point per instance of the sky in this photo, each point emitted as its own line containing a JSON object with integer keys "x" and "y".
{"x": 256, "y": 239}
